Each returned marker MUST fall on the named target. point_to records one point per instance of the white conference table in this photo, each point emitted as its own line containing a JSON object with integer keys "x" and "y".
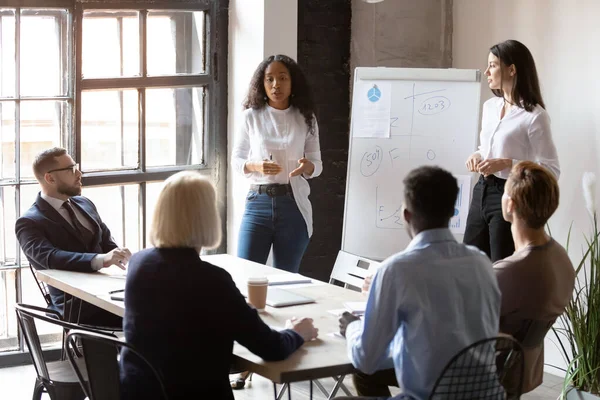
{"x": 322, "y": 358}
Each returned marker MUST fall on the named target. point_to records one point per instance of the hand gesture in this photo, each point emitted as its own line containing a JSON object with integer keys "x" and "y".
{"x": 306, "y": 167}
{"x": 118, "y": 256}
{"x": 345, "y": 320}
{"x": 473, "y": 161}
{"x": 303, "y": 327}
{"x": 367, "y": 284}
{"x": 493, "y": 165}
{"x": 265, "y": 167}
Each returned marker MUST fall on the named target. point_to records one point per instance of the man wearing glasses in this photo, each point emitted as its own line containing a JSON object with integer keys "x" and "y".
{"x": 62, "y": 230}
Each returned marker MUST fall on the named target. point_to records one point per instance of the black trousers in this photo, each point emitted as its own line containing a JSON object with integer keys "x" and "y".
{"x": 81, "y": 312}
{"x": 486, "y": 228}
{"x": 376, "y": 385}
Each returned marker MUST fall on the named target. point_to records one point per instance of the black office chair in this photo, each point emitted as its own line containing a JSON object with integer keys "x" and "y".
{"x": 533, "y": 332}
{"x": 42, "y": 286}
{"x": 476, "y": 372}
{"x": 56, "y": 378}
{"x": 530, "y": 335}
{"x": 101, "y": 361}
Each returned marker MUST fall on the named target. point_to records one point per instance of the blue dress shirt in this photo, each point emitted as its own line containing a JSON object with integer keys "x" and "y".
{"x": 425, "y": 305}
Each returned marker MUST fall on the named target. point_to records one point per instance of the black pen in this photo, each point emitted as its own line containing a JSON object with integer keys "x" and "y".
{"x": 116, "y": 291}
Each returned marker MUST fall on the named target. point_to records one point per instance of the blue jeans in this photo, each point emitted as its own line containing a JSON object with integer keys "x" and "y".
{"x": 275, "y": 221}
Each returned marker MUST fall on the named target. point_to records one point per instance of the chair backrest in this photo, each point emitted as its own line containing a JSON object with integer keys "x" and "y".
{"x": 476, "y": 372}
{"x": 27, "y": 324}
{"x": 533, "y": 332}
{"x": 27, "y": 315}
{"x": 352, "y": 270}
{"x": 42, "y": 286}
{"x": 101, "y": 354}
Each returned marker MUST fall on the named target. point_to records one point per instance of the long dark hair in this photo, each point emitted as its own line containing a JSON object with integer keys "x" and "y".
{"x": 300, "y": 97}
{"x": 526, "y": 85}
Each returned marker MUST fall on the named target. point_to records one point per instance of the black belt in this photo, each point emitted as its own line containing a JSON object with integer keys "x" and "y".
{"x": 491, "y": 179}
{"x": 272, "y": 190}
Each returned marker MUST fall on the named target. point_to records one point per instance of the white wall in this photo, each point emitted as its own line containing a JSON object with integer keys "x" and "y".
{"x": 257, "y": 29}
{"x": 563, "y": 37}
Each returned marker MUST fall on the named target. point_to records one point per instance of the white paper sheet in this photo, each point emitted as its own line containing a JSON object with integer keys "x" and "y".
{"x": 356, "y": 307}
{"x": 461, "y": 208}
{"x": 373, "y": 102}
{"x": 337, "y": 312}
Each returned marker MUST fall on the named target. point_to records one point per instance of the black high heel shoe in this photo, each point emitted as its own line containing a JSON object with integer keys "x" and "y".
{"x": 240, "y": 381}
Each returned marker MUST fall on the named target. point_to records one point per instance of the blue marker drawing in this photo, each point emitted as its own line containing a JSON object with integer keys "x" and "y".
{"x": 456, "y": 223}
{"x": 374, "y": 94}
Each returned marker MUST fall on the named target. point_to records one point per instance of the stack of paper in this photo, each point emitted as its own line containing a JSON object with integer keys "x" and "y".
{"x": 287, "y": 279}
{"x": 356, "y": 307}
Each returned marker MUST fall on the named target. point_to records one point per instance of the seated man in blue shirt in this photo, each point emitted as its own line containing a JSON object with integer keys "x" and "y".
{"x": 426, "y": 303}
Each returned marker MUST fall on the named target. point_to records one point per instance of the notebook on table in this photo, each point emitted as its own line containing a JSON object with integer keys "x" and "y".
{"x": 287, "y": 279}
{"x": 283, "y": 298}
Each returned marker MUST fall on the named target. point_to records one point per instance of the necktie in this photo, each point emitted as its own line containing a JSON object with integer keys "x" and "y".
{"x": 81, "y": 230}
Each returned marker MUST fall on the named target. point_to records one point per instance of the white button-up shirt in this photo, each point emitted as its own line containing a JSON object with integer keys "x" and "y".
{"x": 426, "y": 304}
{"x": 281, "y": 136}
{"x": 521, "y": 135}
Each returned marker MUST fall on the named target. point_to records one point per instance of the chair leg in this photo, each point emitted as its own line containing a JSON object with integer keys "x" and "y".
{"x": 38, "y": 389}
{"x": 66, "y": 392}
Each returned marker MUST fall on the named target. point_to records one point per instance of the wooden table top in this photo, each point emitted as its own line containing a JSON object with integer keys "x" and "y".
{"x": 324, "y": 357}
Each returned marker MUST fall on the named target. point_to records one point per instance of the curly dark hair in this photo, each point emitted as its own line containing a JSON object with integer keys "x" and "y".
{"x": 300, "y": 97}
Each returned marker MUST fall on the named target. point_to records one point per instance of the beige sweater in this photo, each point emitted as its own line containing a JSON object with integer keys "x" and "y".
{"x": 536, "y": 283}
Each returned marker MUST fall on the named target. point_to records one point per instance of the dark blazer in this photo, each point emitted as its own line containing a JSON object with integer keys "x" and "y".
{"x": 184, "y": 314}
{"x": 50, "y": 242}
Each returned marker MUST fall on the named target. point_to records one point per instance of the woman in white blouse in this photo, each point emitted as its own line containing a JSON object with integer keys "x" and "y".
{"x": 515, "y": 127}
{"x": 277, "y": 149}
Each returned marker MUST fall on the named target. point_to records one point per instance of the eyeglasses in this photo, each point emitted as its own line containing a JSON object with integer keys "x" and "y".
{"x": 73, "y": 168}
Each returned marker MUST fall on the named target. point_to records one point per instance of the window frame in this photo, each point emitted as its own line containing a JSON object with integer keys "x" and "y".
{"x": 215, "y": 108}
{"x": 214, "y": 79}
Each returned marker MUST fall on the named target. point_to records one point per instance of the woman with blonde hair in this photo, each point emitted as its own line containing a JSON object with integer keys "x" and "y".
{"x": 183, "y": 313}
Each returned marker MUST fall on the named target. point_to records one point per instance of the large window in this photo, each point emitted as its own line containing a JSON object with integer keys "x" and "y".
{"x": 131, "y": 88}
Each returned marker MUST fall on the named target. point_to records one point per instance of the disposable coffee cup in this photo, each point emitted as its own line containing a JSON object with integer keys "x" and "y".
{"x": 257, "y": 292}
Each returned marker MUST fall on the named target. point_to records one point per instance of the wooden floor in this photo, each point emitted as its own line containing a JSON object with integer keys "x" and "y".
{"x": 262, "y": 389}
{"x": 16, "y": 383}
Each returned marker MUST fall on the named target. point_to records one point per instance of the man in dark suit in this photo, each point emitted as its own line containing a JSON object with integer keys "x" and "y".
{"x": 62, "y": 230}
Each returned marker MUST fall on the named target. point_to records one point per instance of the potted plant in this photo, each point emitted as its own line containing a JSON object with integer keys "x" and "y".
{"x": 580, "y": 331}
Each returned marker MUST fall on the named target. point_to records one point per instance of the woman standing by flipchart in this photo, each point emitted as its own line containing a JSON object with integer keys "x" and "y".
{"x": 515, "y": 127}
{"x": 277, "y": 149}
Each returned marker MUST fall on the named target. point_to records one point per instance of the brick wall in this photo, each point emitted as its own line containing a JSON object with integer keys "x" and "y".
{"x": 394, "y": 33}
{"x": 324, "y": 55}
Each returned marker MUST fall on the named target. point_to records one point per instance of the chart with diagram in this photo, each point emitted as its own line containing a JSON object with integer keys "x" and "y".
{"x": 432, "y": 120}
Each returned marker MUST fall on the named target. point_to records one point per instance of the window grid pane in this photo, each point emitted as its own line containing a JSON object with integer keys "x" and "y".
{"x": 8, "y": 317}
{"x": 110, "y": 44}
{"x": 174, "y": 126}
{"x": 109, "y": 130}
{"x": 118, "y": 206}
{"x": 43, "y": 124}
{"x": 7, "y": 52}
{"x": 37, "y": 114}
{"x": 43, "y": 52}
{"x": 7, "y": 139}
{"x": 175, "y": 42}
